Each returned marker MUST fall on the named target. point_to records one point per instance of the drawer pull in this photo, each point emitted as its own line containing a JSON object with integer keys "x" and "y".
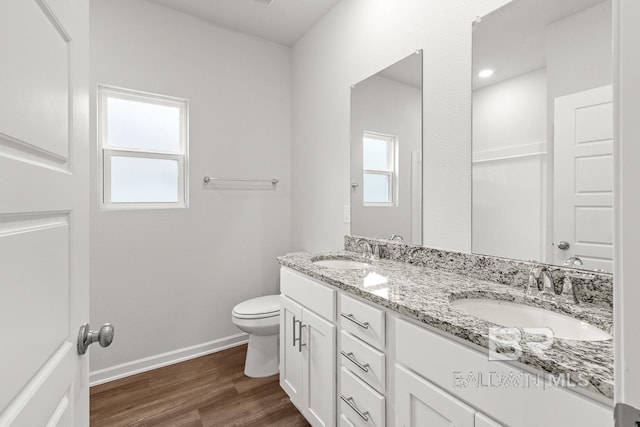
{"x": 350, "y": 317}
{"x": 353, "y": 360}
{"x": 293, "y": 331}
{"x": 349, "y": 401}
{"x": 300, "y": 344}
{"x": 297, "y": 339}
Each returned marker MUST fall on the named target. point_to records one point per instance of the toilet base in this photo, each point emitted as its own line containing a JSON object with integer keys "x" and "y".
{"x": 262, "y": 356}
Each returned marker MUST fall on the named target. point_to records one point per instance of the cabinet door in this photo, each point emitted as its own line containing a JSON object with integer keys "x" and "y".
{"x": 319, "y": 370}
{"x": 290, "y": 349}
{"x": 420, "y": 403}
{"x": 484, "y": 421}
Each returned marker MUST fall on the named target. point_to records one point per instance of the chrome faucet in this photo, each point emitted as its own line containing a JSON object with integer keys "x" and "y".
{"x": 541, "y": 278}
{"x": 369, "y": 250}
{"x": 567, "y": 284}
{"x": 397, "y": 237}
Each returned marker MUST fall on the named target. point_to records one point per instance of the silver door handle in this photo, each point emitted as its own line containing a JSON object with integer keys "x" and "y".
{"x": 300, "y": 344}
{"x": 353, "y": 360}
{"x": 294, "y": 330}
{"x": 299, "y": 338}
{"x": 349, "y": 401}
{"x": 86, "y": 337}
{"x": 363, "y": 325}
{"x": 563, "y": 246}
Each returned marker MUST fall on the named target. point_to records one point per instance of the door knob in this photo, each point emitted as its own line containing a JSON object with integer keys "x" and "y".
{"x": 563, "y": 246}
{"x": 86, "y": 337}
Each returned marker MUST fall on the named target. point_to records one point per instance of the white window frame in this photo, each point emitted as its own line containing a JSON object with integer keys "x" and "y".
{"x": 391, "y": 171}
{"x": 106, "y": 152}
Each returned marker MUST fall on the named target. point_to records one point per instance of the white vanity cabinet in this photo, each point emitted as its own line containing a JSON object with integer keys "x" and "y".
{"x": 308, "y": 347}
{"x": 348, "y": 362}
{"x": 462, "y": 374}
{"x": 362, "y": 375}
{"x": 420, "y": 403}
{"x": 482, "y": 420}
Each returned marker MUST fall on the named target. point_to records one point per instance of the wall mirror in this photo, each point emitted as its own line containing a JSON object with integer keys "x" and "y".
{"x": 386, "y": 153}
{"x": 543, "y": 133}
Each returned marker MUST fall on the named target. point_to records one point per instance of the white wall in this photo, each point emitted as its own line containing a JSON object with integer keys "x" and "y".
{"x": 627, "y": 202}
{"x": 509, "y": 183}
{"x": 386, "y": 106}
{"x": 168, "y": 279}
{"x": 510, "y": 113}
{"x": 579, "y": 52}
{"x": 356, "y": 39}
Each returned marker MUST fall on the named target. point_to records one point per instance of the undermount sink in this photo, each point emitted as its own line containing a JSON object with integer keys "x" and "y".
{"x": 342, "y": 264}
{"x": 511, "y": 314}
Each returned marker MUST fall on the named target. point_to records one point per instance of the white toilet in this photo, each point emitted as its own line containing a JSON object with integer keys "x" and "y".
{"x": 260, "y": 318}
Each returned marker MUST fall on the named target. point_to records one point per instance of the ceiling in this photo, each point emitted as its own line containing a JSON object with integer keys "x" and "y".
{"x": 512, "y": 40}
{"x": 283, "y": 22}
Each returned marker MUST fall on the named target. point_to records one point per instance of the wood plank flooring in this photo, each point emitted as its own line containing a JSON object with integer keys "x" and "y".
{"x": 208, "y": 391}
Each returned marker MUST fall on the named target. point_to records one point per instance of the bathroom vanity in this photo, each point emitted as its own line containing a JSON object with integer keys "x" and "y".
{"x": 382, "y": 342}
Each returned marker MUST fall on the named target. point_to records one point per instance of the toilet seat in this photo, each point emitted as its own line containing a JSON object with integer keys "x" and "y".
{"x": 258, "y": 308}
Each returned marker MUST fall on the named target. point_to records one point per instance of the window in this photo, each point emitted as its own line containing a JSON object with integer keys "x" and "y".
{"x": 379, "y": 169}
{"x": 142, "y": 141}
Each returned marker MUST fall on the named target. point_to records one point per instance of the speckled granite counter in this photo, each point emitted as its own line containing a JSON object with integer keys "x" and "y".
{"x": 425, "y": 294}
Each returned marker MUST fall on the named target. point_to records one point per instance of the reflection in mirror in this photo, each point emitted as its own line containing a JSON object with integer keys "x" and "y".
{"x": 542, "y": 133}
{"x": 386, "y": 153}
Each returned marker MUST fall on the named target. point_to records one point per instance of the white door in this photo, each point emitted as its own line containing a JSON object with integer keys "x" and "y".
{"x": 43, "y": 211}
{"x": 319, "y": 370}
{"x": 583, "y": 178}
{"x": 420, "y": 403}
{"x": 291, "y": 349}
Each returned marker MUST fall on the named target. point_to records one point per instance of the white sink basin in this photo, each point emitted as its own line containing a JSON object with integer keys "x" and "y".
{"x": 342, "y": 264}
{"x": 510, "y": 314}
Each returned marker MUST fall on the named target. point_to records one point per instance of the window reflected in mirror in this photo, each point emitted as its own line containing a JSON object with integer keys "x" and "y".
{"x": 378, "y": 161}
{"x": 386, "y": 152}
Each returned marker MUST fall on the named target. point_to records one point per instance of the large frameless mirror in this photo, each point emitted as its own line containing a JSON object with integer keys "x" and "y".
{"x": 543, "y": 133}
{"x": 386, "y": 153}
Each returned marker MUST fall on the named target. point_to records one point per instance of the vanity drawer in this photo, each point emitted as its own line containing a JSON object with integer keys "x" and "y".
{"x": 306, "y": 291}
{"x": 344, "y": 421}
{"x": 363, "y": 321}
{"x": 363, "y": 360}
{"x": 360, "y": 404}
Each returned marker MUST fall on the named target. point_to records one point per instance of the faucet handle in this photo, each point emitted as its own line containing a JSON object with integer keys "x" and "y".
{"x": 535, "y": 275}
{"x": 572, "y": 261}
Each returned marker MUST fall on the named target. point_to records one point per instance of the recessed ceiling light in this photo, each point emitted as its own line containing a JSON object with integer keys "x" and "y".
{"x": 265, "y": 2}
{"x": 483, "y": 74}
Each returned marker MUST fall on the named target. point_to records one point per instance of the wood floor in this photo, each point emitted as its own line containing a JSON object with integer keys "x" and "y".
{"x": 208, "y": 391}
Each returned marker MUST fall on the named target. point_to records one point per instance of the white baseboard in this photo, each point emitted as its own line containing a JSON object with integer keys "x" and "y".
{"x": 157, "y": 361}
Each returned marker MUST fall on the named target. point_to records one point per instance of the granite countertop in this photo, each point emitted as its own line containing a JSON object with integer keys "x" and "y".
{"x": 425, "y": 294}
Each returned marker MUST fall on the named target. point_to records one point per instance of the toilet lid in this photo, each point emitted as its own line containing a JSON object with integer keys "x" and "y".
{"x": 259, "y": 307}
